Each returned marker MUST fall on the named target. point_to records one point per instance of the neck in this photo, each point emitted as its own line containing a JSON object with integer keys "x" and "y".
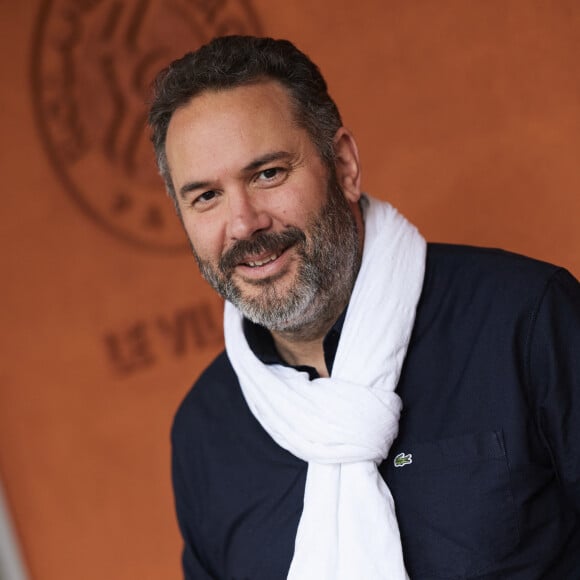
{"x": 302, "y": 352}
{"x": 304, "y": 346}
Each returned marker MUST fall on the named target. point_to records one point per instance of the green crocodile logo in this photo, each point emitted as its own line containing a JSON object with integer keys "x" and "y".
{"x": 402, "y": 459}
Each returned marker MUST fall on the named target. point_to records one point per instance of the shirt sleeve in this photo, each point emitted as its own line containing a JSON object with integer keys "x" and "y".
{"x": 193, "y": 567}
{"x": 554, "y": 372}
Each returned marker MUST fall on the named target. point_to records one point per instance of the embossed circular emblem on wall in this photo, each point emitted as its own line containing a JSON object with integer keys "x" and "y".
{"x": 93, "y": 62}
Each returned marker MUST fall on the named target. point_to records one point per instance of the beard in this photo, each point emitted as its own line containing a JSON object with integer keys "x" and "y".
{"x": 329, "y": 259}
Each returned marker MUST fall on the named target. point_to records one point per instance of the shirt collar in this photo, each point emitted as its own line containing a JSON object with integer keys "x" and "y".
{"x": 262, "y": 344}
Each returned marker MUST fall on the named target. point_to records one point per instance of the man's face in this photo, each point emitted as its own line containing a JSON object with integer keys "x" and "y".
{"x": 269, "y": 227}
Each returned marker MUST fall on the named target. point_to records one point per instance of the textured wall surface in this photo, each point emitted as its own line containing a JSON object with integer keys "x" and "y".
{"x": 468, "y": 119}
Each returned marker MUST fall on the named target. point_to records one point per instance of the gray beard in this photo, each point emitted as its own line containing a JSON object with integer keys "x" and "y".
{"x": 329, "y": 263}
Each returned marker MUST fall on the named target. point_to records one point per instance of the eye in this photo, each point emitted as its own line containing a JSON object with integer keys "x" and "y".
{"x": 271, "y": 176}
{"x": 205, "y": 196}
{"x": 205, "y": 200}
{"x": 270, "y": 173}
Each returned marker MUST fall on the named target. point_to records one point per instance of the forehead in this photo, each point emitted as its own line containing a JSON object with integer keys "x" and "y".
{"x": 231, "y": 125}
{"x": 263, "y": 102}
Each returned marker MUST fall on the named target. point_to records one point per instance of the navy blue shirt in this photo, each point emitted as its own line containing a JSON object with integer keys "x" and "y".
{"x": 491, "y": 420}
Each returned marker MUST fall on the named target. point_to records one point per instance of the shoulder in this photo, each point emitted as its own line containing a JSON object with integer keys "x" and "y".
{"x": 207, "y": 400}
{"x": 487, "y": 272}
{"x": 475, "y": 261}
{"x": 471, "y": 287}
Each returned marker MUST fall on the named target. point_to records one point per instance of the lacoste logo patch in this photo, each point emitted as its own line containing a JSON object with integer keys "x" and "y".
{"x": 403, "y": 459}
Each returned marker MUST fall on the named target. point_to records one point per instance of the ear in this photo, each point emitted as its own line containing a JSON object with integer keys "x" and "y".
{"x": 347, "y": 164}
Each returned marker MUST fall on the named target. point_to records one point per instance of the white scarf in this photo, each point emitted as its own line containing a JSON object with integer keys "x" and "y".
{"x": 343, "y": 426}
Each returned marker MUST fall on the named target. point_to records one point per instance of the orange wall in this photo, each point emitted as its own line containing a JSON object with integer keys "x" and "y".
{"x": 468, "y": 119}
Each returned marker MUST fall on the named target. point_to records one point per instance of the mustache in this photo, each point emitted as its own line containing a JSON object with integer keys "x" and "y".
{"x": 274, "y": 242}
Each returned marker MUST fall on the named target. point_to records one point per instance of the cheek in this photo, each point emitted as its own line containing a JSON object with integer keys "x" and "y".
{"x": 298, "y": 206}
{"x": 206, "y": 241}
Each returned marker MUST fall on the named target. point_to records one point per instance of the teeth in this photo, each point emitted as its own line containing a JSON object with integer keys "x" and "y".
{"x": 256, "y": 263}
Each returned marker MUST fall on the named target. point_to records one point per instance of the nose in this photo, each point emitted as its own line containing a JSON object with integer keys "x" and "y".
{"x": 246, "y": 218}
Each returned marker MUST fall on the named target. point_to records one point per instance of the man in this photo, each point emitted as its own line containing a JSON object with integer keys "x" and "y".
{"x": 289, "y": 451}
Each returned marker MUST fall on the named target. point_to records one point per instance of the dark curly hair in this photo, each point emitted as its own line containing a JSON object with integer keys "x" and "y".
{"x": 232, "y": 61}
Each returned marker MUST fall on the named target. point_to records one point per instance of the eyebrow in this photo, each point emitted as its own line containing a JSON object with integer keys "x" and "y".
{"x": 192, "y": 186}
{"x": 252, "y": 166}
{"x": 267, "y": 158}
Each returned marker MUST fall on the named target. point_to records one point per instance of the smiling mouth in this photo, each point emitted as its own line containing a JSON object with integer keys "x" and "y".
{"x": 263, "y": 261}
{"x": 260, "y": 251}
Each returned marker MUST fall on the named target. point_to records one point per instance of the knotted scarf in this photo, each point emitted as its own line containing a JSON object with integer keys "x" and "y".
{"x": 343, "y": 426}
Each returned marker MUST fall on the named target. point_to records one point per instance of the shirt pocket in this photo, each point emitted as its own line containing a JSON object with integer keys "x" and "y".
{"x": 454, "y": 504}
